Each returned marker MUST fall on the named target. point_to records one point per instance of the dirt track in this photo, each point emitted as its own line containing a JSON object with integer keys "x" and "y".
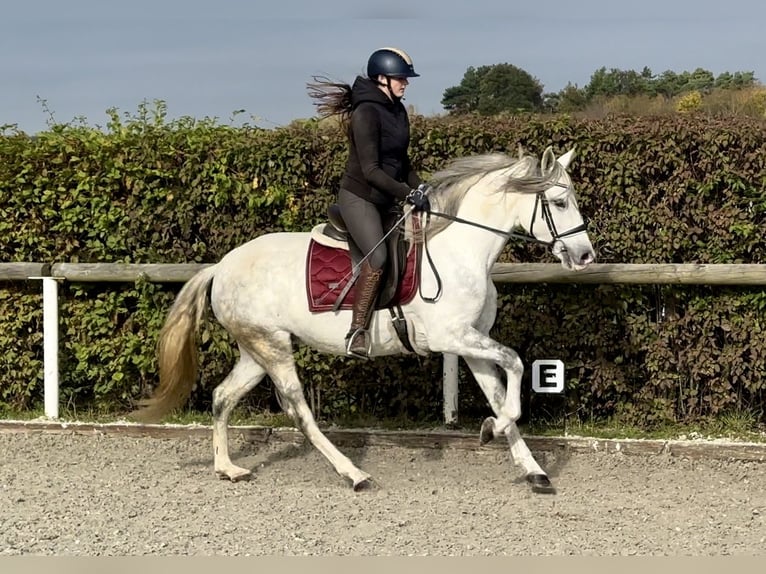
{"x": 73, "y": 494}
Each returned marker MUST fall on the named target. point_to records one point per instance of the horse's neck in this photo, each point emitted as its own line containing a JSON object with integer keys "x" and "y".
{"x": 497, "y": 211}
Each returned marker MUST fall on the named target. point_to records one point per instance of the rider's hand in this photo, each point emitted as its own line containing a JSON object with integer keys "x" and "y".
{"x": 419, "y": 198}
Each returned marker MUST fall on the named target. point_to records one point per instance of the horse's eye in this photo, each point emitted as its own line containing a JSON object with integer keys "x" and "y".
{"x": 560, "y": 203}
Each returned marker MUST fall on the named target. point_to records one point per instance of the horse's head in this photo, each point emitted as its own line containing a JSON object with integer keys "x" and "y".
{"x": 537, "y": 196}
{"x": 556, "y": 218}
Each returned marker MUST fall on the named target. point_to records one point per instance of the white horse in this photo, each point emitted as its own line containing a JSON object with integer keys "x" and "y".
{"x": 258, "y": 294}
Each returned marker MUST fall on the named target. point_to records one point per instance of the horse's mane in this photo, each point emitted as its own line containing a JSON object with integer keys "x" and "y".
{"x": 451, "y": 184}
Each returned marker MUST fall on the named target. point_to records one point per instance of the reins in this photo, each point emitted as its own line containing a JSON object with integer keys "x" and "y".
{"x": 547, "y": 216}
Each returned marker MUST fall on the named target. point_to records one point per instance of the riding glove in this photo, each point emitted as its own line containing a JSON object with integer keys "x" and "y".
{"x": 419, "y": 198}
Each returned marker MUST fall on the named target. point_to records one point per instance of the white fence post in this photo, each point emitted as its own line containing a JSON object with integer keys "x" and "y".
{"x": 51, "y": 346}
{"x": 449, "y": 386}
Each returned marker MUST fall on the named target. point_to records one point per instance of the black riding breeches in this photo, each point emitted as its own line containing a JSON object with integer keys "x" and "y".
{"x": 365, "y": 225}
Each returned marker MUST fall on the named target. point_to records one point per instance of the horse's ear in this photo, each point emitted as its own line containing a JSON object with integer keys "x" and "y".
{"x": 521, "y": 152}
{"x": 547, "y": 161}
{"x": 565, "y": 159}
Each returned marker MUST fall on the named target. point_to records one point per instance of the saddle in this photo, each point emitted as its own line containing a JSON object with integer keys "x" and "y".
{"x": 329, "y": 264}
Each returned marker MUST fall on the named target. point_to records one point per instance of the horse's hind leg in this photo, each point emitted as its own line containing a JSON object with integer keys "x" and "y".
{"x": 487, "y": 376}
{"x": 285, "y": 379}
{"x": 245, "y": 375}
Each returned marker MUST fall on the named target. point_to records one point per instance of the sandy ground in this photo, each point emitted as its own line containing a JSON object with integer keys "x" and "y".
{"x": 74, "y": 494}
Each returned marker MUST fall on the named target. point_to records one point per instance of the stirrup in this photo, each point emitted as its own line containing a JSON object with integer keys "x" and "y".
{"x": 350, "y": 337}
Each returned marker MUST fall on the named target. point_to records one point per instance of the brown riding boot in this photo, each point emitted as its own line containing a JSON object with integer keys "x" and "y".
{"x": 366, "y": 292}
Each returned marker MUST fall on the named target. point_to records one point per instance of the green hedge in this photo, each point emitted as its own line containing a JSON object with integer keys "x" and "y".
{"x": 685, "y": 189}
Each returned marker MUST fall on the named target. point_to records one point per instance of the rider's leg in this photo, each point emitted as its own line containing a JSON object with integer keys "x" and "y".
{"x": 364, "y": 224}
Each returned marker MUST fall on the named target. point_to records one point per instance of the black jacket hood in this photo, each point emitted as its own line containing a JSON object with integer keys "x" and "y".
{"x": 366, "y": 90}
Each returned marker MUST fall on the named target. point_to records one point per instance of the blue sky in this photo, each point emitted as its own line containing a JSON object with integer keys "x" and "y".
{"x": 208, "y": 59}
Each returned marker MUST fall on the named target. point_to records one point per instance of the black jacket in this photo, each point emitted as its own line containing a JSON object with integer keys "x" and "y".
{"x": 378, "y": 167}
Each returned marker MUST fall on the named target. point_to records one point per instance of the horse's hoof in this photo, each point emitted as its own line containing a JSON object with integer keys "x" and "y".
{"x": 234, "y": 475}
{"x": 242, "y": 477}
{"x": 364, "y": 483}
{"x": 540, "y": 484}
{"x": 487, "y": 432}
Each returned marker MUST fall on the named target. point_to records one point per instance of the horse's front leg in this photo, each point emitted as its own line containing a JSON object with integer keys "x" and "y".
{"x": 486, "y": 375}
{"x": 482, "y": 354}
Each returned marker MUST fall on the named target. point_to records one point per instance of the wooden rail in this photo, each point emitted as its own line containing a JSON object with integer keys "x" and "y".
{"x": 637, "y": 273}
{"x": 127, "y": 272}
{"x": 21, "y": 271}
{"x": 598, "y": 273}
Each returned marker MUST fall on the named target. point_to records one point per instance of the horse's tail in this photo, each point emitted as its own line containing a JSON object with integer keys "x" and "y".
{"x": 177, "y": 350}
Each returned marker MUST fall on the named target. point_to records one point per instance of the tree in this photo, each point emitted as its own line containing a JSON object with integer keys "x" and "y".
{"x": 571, "y": 99}
{"x": 610, "y": 83}
{"x": 489, "y": 90}
{"x": 551, "y": 102}
{"x": 700, "y": 80}
{"x": 616, "y": 82}
{"x": 735, "y": 81}
{"x": 669, "y": 84}
{"x": 465, "y": 97}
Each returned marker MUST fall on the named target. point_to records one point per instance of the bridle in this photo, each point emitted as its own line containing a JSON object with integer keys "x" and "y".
{"x": 541, "y": 202}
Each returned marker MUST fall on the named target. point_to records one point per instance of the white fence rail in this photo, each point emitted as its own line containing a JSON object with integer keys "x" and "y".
{"x": 651, "y": 274}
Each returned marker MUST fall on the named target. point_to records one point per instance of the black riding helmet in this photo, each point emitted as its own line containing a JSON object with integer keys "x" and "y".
{"x": 390, "y": 62}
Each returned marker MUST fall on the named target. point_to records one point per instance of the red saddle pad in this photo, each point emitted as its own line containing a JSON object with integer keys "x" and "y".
{"x": 328, "y": 269}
